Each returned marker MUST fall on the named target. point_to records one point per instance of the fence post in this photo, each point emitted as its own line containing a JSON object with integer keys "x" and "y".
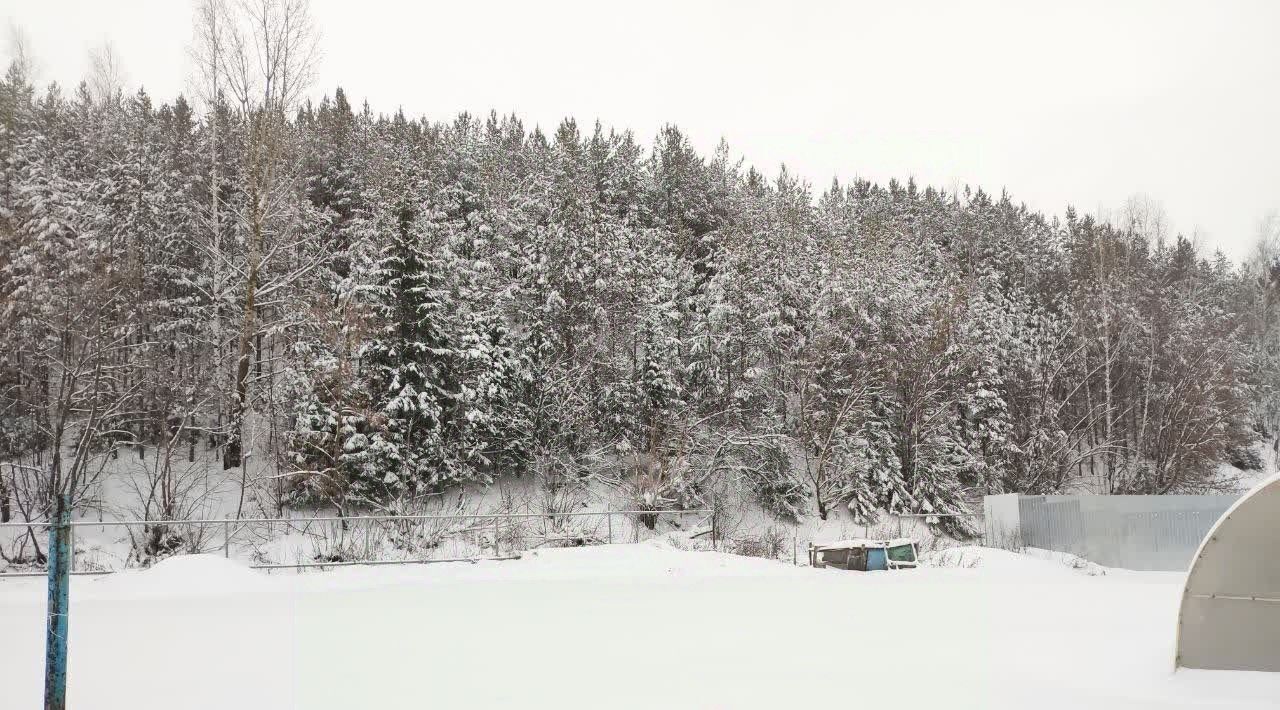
{"x": 609, "y": 521}
{"x": 226, "y": 540}
{"x": 496, "y": 550}
{"x": 55, "y": 655}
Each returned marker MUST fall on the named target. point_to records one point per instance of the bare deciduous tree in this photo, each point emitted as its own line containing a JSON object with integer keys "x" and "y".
{"x": 106, "y": 73}
{"x": 264, "y": 53}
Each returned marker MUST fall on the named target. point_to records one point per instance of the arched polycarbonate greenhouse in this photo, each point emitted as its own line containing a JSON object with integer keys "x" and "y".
{"x": 1230, "y": 616}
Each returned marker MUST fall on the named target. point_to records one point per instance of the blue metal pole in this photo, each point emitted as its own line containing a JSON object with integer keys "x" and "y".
{"x": 55, "y": 653}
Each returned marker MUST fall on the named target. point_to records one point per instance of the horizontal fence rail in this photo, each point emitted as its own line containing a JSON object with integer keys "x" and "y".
{"x": 355, "y": 518}
{"x": 342, "y": 541}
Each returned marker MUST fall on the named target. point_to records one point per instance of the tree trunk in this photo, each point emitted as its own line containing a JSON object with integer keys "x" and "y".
{"x": 233, "y": 455}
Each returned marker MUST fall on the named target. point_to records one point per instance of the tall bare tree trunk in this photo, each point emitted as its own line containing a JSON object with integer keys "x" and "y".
{"x": 244, "y": 351}
{"x": 1107, "y": 408}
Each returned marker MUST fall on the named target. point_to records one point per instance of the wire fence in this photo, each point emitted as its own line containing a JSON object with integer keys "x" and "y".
{"x": 103, "y": 547}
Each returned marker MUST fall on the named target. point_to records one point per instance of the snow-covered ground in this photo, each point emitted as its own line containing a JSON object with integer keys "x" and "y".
{"x": 619, "y": 626}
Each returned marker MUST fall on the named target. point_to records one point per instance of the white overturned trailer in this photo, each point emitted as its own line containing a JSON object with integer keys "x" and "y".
{"x": 865, "y": 555}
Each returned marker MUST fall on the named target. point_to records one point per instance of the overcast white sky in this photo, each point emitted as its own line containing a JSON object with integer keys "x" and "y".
{"x": 1061, "y": 103}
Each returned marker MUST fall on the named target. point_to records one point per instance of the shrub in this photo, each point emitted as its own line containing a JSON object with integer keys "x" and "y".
{"x": 769, "y": 545}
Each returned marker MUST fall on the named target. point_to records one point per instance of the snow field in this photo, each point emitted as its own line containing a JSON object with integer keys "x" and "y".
{"x": 619, "y": 627}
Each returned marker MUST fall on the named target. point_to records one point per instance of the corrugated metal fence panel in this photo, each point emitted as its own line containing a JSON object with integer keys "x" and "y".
{"x": 1134, "y": 532}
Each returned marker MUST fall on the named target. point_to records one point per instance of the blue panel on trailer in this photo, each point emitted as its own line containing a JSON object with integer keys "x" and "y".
{"x": 876, "y": 559}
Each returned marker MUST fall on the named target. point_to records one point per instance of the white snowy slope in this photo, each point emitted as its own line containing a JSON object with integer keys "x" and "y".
{"x": 618, "y": 627}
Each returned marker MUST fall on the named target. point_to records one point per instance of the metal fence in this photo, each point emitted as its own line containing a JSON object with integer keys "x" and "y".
{"x": 102, "y": 547}
{"x": 1133, "y": 532}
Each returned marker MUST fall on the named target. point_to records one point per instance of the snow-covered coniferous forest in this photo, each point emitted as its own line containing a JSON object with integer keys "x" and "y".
{"x": 334, "y": 306}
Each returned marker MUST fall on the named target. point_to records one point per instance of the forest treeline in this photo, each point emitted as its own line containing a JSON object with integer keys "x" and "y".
{"x": 368, "y": 309}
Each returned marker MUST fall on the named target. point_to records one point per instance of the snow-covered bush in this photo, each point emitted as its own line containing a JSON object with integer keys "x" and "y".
{"x": 770, "y": 544}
